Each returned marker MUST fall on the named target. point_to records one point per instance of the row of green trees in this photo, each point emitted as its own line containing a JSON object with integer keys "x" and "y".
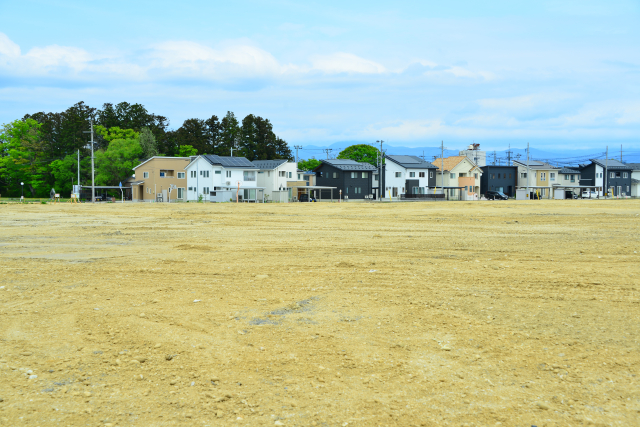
{"x": 41, "y": 149}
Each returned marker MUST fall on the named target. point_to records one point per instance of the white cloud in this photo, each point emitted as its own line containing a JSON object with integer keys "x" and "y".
{"x": 7, "y": 47}
{"x": 342, "y": 62}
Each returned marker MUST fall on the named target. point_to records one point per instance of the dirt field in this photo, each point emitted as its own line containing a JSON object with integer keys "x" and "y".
{"x": 481, "y": 313}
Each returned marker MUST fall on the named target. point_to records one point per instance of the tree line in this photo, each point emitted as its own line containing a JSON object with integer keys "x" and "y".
{"x": 41, "y": 149}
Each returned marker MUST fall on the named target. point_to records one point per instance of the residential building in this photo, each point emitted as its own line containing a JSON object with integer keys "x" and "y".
{"x": 354, "y": 179}
{"x": 539, "y": 176}
{"x": 220, "y": 178}
{"x": 635, "y": 179}
{"x": 274, "y": 176}
{"x": 617, "y": 176}
{"x": 154, "y": 177}
{"x": 499, "y": 178}
{"x": 459, "y": 176}
{"x": 406, "y": 175}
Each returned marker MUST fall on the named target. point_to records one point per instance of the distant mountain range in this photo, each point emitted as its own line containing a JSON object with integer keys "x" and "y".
{"x": 559, "y": 157}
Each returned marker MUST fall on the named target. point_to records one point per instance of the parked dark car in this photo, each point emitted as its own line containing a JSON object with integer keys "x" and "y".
{"x": 304, "y": 198}
{"x": 496, "y": 195}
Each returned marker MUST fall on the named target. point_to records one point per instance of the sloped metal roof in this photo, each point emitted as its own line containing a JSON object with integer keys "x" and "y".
{"x": 349, "y": 165}
{"x": 411, "y": 162}
{"x": 229, "y": 162}
{"x": 268, "y": 164}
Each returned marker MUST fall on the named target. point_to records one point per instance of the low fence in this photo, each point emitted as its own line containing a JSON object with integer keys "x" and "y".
{"x": 423, "y": 196}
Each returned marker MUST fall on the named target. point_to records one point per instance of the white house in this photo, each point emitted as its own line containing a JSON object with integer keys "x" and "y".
{"x": 274, "y": 175}
{"x": 217, "y": 179}
{"x": 407, "y": 175}
{"x": 635, "y": 179}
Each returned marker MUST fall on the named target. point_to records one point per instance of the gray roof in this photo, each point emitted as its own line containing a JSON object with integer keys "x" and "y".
{"x": 349, "y": 165}
{"x": 229, "y": 162}
{"x": 634, "y": 166}
{"x": 268, "y": 164}
{"x": 635, "y": 181}
{"x": 566, "y": 170}
{"x": 534, "y": 164}
{"x": 611, "y": 164}
{"x": 410, "y": 162}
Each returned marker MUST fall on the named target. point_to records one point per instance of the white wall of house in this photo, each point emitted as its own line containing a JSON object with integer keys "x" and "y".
{"x": 203, "y": 177}
{"x": 274, "y": 179}
{"x": 396, "y": 177}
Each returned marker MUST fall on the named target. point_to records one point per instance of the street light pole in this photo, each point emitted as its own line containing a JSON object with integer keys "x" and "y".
{"x": 22, "y": 187}
{"x": 380, "y": 173}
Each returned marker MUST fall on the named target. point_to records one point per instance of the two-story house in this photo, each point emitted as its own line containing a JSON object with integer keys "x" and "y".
{"x": 155, "y": 176}
{"x": 635, "y": 179}
{"x": 499, "y": 178}
{"x": 458, "y": 174}
{"x": 274, "y": 176}
{"x": 222, "y": 179}
{"x": 407, "y": 175}
{"x": 539, "y": 176}
{"x": 614, "y": 176}
{"x": 354, "y": 179}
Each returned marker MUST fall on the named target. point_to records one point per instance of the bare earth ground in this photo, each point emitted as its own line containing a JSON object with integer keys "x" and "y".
{"x": 481, "y": 313}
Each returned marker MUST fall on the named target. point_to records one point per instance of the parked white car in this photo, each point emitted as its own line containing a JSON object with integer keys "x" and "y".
{"x": 589, "y": 194}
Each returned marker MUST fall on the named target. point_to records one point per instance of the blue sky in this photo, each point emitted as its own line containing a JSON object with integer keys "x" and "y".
{"x": 558, "y": 74}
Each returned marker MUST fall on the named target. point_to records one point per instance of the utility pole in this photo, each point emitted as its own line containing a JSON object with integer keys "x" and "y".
{"x": 509, "y": 152}
{"x": 494, "y": 157}
{"x": 423, "y": 155}
{"x": 441, "y": 166}
{"x": 620, "y": 153}
{"x": 297, "y": 147}
{"x": 93, "y": 187}
{"x": 327, "y": 150}
{"x": 606, "y": 176}
{"x": 528, "y": 169}
{"x": 78, "y": 172}
{"x": 380, "y": 173}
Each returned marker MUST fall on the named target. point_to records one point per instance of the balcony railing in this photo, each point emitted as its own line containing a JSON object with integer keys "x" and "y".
{"x": 249, "y": 178}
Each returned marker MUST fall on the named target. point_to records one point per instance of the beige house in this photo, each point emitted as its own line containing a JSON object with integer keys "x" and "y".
{"x": 539, "y": 176}
{"x": 155, "y": 176}
{"x": 459, "y": 171}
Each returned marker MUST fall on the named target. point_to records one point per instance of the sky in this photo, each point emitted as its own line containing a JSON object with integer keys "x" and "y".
{"x": 558, "y": 74}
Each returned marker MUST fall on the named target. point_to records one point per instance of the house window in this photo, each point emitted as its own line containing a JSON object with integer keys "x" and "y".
{"x": 290, "y": 175}
{"x": 282, "y": 174}
{"x": 617, "y": 174}
{"x": 375, "y": 176}
{"x": 365, "y": 174}
{"x": 218, "y": 172}
{"x": 180, "y": 193}
{"x": 205, "y": 190}
{"x": 299, "y": 178}
{"x": 452, "y": 175}
{"x": 543, "y": 176}
{"x": 162, "y": 174}
{"x": 193, "y": 174}
{"x": 190, "y": 188}
{"x": 145, "y": 175}
{"x": 493, "y": 176}
{"x": 475, "y": 175}
{"x": 552, "y": 176}
{"x": 412, "y": 174}
{"x": 354, "y": 174}
{"x": 306, "y": 177}
{"x": 523, "y": 175}
{"x": 431, "y": 174}
{"x": 180, "y": 175}
{"x": 461, "y": 174}
{"x": 625, "y": 175}
{"x": 228, "y": 174}
{"x": 358, "y": 190}
{"x": 398, "y": 174}
{"x": 509, "y": 176}
{"x": 335, "y": 175}
{"x": 573, "y": 178}
{"x": 612, "y": 175}
{"x": 249, "y": 176}
{"x": 420, "y": 174}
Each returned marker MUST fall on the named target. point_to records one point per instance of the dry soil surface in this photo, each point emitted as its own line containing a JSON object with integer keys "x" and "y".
{"x": 481, "y": 313}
